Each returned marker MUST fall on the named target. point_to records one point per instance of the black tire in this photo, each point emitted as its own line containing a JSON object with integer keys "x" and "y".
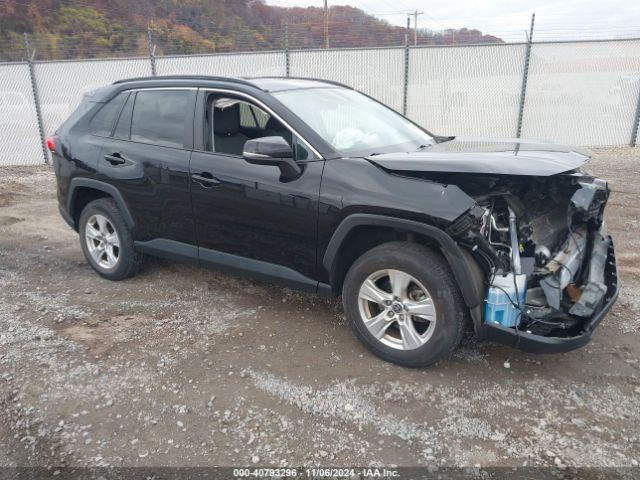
{"x": 129, "y": 260}
{"x": 432, "y": 271}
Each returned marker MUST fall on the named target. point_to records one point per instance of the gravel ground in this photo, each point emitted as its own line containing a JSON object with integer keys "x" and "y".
{"x": 181, "y": 366}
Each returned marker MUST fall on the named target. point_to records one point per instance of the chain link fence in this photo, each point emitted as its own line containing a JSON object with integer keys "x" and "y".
{"x": 19, "y": 131}
{"x": 583, "y": 93}
{"x": 579, "y": 93}
{"x": 225, "y": 64}
{"x": 470, "y": 91}
{"x": 62, "y": 84}
{"x": 378, "y": 72}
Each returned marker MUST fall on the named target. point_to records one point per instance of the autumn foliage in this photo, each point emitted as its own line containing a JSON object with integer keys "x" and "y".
{"x": 106, "y": 28}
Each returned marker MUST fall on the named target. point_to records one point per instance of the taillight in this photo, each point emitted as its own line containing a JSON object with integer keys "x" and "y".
{"x": 51, "y": 142}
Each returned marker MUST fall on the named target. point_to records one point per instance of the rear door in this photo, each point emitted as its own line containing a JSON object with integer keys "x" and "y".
{"x": 146, "y": 158}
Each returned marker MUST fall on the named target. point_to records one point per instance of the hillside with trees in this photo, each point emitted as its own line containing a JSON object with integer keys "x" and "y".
{"x": 61, "y": 29}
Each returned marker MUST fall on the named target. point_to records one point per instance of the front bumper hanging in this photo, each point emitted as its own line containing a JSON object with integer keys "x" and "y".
{"x": 532, "y": 343}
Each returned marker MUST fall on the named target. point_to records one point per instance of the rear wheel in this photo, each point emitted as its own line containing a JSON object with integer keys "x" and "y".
{"x": 106, "y": 241}
{"x": 402, "y": 302}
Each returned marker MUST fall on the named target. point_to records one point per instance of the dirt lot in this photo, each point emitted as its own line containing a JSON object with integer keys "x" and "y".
{"x": 181, "y": 366}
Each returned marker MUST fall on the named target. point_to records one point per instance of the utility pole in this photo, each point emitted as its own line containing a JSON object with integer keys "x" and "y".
{"x": 326, "y": 24}
{"x": 415, "y": 26}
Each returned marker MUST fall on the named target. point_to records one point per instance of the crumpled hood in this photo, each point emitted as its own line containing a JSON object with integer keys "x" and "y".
{"x": 502, "y": 156}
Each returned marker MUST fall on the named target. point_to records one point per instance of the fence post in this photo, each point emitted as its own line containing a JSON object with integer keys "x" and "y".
{"x": 636, "y": 122}
{"x": 286, "y": 50}
{"x": 525, "y": 76}
{"x": 36, "y": 97}
{"x": 405, "y": 91}
{"x": 152, "y": 50}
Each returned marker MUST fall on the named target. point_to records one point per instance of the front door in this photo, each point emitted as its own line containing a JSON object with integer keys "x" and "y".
{"x": 247, "y": 216}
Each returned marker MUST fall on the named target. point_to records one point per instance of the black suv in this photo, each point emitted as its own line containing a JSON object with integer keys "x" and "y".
{"x": 321, "y": 188}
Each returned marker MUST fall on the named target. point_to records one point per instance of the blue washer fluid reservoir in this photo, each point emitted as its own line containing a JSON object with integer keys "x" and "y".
{"x": 501, "y": 296}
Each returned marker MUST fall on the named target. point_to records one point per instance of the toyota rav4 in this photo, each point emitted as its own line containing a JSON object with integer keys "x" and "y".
{"x": 319, "y": 187}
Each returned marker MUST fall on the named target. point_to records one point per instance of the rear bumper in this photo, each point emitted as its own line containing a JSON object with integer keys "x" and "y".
{"x": 539, "y": 344}
{"x": 67, "y": 218}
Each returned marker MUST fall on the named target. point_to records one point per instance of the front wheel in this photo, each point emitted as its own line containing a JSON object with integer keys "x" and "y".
{"x": 403, "y": 303}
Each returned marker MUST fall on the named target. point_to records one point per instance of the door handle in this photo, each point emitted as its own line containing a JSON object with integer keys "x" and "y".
{"x": 115, "y": 159}
{"x": 205, "y": 179}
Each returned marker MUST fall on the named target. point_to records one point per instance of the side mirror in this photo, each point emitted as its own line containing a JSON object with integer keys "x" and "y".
{"x": 272, "y": 151}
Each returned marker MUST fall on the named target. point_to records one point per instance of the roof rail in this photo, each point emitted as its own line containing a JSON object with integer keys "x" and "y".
{"x": 184, "y": 77}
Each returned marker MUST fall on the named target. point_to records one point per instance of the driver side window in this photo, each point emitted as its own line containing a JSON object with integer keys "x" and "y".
{"x": 231, "y": 122}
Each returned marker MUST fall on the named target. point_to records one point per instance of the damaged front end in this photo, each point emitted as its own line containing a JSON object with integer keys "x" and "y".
{"x": 543, "y": 269}
{"x": 549, "y": 263}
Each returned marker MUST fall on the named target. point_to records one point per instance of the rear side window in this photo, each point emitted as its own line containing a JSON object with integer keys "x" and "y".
{"x": 102, "y": 122}
{"x": 159, "y": 117}
{"x": 123, "y": 128}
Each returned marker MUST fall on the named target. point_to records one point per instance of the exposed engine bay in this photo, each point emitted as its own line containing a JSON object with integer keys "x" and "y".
{"x": 542, "y": 244}
{"x": 531, "y": 252}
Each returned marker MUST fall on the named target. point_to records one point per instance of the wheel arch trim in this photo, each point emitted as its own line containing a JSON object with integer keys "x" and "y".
{"x": 465, "y": 274}
{"x": 113, "y": 192}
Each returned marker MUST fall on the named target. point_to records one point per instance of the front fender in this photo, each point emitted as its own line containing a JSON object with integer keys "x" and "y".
{"x": 466, "y": 271}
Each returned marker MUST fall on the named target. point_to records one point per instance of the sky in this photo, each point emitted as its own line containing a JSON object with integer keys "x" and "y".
{"x": 555, "y": 19}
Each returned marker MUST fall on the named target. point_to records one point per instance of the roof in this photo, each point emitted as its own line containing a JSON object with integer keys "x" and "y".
{"x": 277, "y": 84}
{"x": 268, "y": 84}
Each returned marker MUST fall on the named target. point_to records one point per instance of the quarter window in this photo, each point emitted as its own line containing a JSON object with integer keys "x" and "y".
{"x": 102, "y": 122}
{"x": 123, "y": 127}
{"x": 159, "y": 117}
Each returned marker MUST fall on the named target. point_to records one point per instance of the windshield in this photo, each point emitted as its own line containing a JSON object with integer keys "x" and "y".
{"x": 352, "y": 123}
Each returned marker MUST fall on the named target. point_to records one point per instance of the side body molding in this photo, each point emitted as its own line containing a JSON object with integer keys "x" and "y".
{"x": 77, "y": 182}
{"x": 465, "y": 273}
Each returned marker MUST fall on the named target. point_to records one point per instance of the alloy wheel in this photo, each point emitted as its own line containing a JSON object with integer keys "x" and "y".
{"x": 397, "y": 309}
{"x": 103, "y": 242}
